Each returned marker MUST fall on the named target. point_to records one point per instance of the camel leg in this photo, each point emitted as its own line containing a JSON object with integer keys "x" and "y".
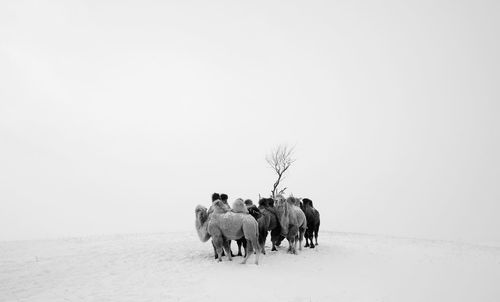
{"x": 275, "y": 234}
{"x": 293, "y": 230}
{"x": 262, "y": 243}
{"x": 253, "y": 246}
{"x": 215, "y": 250}
{"x": 281, "y": 238}
{"x": 223, "y": 254}
{"x": 311, "y": 239}
{"x": 301, "y": 237}
{"x": 274, "y": 239}
{"x": 242, "y": 242}
{"x": 239, "y": 243}
{"x": 248, "y": 251}
{"x": 295, "y": 245}
{"x": 218, "y": 242}
{"x": 245, "y": 246}
{"x": 256, "y": 247}
{"x": 227, "y": 248}
{"x": 316, "y": 235}
{"x": 230, "y": 251}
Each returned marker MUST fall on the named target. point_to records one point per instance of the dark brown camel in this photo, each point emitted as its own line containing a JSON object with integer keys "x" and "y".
{"x": 266, "y": 206}
{"x": 313, "y": 221}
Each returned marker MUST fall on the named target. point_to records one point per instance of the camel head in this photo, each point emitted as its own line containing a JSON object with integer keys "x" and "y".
{"x": 307, "y": 202}
{"x": 279, "y": 197}
{"x": 266, "y": 202}
{"x": 254, "y": 211}
{"x": 293, "y": 201}
{"x": 263, "y": 203}
{"x": 201, "y": 213}
{"x": 270, "y": 202}
{"x": 201, "y": 222}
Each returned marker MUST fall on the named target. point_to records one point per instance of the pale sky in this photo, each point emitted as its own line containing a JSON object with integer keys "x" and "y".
{"x": 122, "y": 116}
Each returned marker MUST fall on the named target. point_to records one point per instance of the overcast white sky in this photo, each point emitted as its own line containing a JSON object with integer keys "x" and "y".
{"x": 122, "y": 116}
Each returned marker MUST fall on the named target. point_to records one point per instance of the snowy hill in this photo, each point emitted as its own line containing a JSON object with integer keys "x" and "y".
{"x": 178, "y": 267}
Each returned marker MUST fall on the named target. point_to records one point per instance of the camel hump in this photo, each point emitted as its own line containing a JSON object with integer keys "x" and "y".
{"x": 219, "y": 207}
{"x": 239, "y": 206}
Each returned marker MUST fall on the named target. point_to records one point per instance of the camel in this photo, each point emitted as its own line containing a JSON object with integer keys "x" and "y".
{"x": 263, "y": 221}
{"x": 293, "y": 222}
{"x": 202, "y": 216}
{"x": 313, "y": 220}
{"x": 267, "y": 209}
{"x": 223, "y": 197}
{"x": 224, "y": 225}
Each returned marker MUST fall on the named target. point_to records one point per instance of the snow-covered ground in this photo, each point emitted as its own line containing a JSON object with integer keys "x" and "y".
{"x": 178, "y": 267}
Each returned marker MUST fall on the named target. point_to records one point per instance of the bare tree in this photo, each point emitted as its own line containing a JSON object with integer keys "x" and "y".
{"x": 280, "y": 159}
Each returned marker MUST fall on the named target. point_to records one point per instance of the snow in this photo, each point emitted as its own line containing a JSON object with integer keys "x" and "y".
{"x": 178, "y": 267}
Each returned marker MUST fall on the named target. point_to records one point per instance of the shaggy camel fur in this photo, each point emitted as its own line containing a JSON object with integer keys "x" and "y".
{"x": 226, "y": 225}
{"x": 239, "y": 206}
{"x": 293, "y": 222}
{"x": 313, "y": 220}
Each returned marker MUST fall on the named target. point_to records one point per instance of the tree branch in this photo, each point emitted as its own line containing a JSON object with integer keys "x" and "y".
{"x": 280, "y": 161}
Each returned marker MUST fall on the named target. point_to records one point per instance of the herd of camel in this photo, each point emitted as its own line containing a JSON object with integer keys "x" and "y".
{"x": 291, "y": 218}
